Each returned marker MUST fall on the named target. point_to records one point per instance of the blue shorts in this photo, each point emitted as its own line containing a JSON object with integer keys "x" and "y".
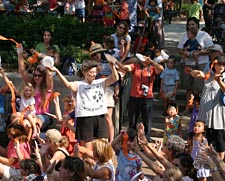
{"x": 45, "y": 119}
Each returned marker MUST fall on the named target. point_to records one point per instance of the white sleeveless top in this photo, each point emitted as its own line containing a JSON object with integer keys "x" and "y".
{"x": 90, "y": 98}
{"x": 109, "y": 165}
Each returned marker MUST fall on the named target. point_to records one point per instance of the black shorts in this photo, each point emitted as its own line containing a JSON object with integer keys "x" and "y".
{"x": 90, "y": 128}
{"x": 217, "y": 138}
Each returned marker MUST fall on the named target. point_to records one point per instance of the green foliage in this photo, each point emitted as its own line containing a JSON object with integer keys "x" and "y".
{"x": 72, "y": 36}
{"x": 184, "y": 8}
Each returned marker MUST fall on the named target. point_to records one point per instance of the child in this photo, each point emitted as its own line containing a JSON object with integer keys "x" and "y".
{"x": 108, "y": 43}
{"x": 124, "y": 12}
{"x": 169, "y": 81}
{"x": 27, "y": 104}
{"x": 153, "y": 10}
{"x": 172, "y": 122}
{"x": 194, "y": 114}
{"x": 191, "y": 46}
{"x": 108, "y": 15}
{"x": 69, "y": 8}
{"x": 129, "y": 163}
{"x": 30, "y": 62}
{"x": 67, "y": 120}
{"x": 52, "y": 51}
{"x": 195, "y": 139}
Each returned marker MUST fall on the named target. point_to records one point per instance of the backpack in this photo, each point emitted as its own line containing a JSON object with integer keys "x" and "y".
{"x": 68, "y": 65}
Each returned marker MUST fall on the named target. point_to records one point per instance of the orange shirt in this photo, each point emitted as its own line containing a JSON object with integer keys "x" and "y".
{"x": 142, "y": 76}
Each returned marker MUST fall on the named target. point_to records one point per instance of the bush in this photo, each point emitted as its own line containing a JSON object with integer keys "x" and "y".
{"x": 72, "y": 36}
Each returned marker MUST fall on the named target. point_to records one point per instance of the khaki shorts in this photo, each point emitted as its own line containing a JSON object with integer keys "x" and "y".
{"x": 190, "y": 83}
{"x": 109, "y": 92}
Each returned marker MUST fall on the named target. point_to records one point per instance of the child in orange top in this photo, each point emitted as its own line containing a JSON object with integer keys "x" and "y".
{"x": 124, "y": 11}
{"x": 68, "y": 123}
{"x": 108, "y": 15}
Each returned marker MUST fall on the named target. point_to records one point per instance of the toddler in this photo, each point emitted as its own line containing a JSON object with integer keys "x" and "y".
{"x": 172, "y": 122}
{"x": 195, "y": 139}
{"x": 27, "y": 103}
{"x": 169, "y": 81}
{"x": 191, "y": 46}
{"x": 129, "y": 163}
{"x": 69, "y": 7}
{"x": 153, "y": 10}
{"x": 194, "y": 114}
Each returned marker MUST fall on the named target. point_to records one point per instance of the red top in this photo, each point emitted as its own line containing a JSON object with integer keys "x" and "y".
{"x": 142, "y": 76}
{"x": 11, "y": 152}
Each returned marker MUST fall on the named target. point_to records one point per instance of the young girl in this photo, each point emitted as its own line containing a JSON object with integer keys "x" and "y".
{"x": 27, "y": 106}
{"x": 108, "y": 15}
{"x": 196, "y": 138}
{"x": 172, "y": 122}
{"x": 102, "y": 153}
{"x": 67, "y": 119}
{"x": 129, "y": 163}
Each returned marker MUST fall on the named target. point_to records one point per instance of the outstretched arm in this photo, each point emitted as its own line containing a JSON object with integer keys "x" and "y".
{"x": 197, "y": 74}
{"x": 114, "y": 76}
{"x": 71, "y": 85}
{"x": 21, "y": 64}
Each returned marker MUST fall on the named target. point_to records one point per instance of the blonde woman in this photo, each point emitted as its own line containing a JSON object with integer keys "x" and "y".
{"x": 102, "y": 153}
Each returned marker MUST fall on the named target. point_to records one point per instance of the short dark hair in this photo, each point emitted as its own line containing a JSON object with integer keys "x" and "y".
{"x": 31, "y": 165}
{"x": 75, "y": 165}
{"x": 192, "y": 19}
{"x": 171, "y": 104}
{"x": 87, "y": 65}
{"x": 132, "y": 133}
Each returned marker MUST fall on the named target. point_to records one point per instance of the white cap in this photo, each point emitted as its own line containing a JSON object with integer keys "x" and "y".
{"x": 140, "y": 57}
{"x": 47, "y": 61}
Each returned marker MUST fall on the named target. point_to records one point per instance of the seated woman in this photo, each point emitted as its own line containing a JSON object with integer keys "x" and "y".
{"x": 42, "y": 82}
{"x": 17, "y": 150}
{"x": 54, "y": 149}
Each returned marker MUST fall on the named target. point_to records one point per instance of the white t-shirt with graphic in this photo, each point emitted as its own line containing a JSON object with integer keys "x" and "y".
{"x": 90, "y": 98}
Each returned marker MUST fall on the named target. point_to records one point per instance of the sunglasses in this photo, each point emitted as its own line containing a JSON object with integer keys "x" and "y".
{"x": 120, "y": 27}
{"x": 37, "y": 75}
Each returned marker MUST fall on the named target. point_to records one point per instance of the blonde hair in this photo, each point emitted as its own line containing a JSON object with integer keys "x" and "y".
{"x": 103, "y": 149}
{"x": 173, "y": 174}
{"x": 29, "y": 85}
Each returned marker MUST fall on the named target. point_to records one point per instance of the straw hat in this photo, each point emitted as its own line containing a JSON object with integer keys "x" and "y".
{"x": 96, "y": 48}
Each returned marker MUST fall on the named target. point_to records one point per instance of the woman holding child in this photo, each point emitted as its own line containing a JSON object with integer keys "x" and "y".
{"x": 43, "y": 85}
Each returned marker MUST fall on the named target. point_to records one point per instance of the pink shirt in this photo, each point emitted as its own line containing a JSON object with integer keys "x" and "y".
{"x": 38, "y": 101}
{"x": 24, "y": 149}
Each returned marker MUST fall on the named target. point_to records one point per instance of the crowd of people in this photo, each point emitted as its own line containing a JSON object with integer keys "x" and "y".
{"x": 84, "y": 140}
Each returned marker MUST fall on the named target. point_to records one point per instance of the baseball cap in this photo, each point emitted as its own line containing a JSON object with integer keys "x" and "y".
{"x": 52, "y": 135}
{"x": 216, "y": 47}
